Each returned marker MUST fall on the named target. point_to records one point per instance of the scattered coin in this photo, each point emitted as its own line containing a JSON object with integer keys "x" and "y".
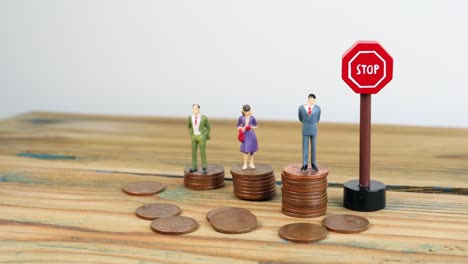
{"x": 302, "y": 232}
{"x": 210, "y": 214}
{"x": 157, "y": 210}
{"x": 143, "y": 188}
{"x": 174, "y": 225}
{"x": 346, "y": 224}
{"x": 233, "y": 221}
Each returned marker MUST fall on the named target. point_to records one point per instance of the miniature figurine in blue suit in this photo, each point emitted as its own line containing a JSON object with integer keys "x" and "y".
{"x": 309, "y": 115}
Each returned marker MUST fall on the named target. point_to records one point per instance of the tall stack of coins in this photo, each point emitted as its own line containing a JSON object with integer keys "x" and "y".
{"x": 212, "y": 179}
{"x": 254, "y": 184}
{"x": 304, "y": 192}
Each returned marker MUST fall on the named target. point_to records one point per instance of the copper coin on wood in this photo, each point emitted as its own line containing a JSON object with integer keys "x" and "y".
{"x": 302, "y": 232}
{"x": 346, "y": 224}
{"x": 255, "y": 190}
{"x": 304, "y": 211}
{"x": 311, "y": 199}
{"x": 174, "y": 225}
{"x": 203, "y": 185}
{"x": 259, "y": 171}
{"x": 286, "y": 212}
{"x": 212, "y": 169}
{"x": 308, "y": 196}
{"x": 204, "y": 188}
{"x": 233, "y": 221}
{"x": 253, "y": 177}
{"x": 204, "y": 176}
{"x": 202, "y": 182}
{"x": 301, "y": 191}
{"x": 288, "y": 185}
{"x": 210, "y": 214}
{"x": 143, "y": 188}
{"x": 294, "y": 173}
{"x": 254, "y": 180}
{"x": 198, "y": 180}
{"x": 302, "y": 182}
{"x": 255, "y": 197}
{"x": 302, "y": 204}
{"x": 157, "y": 210}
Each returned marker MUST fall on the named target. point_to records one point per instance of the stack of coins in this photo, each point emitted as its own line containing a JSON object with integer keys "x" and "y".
{"x": 212, "y": 179}
{"x": 254, "y": 184}
{"x": 304, "y": 192}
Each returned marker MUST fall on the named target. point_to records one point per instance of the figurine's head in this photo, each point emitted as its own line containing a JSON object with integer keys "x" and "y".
{"x": 195, "y": 109}
{"x": 246, "y": 110}
{"x": 311, "y": 99}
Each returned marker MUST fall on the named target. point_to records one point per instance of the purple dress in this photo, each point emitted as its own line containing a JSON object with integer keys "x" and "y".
{"x": 250, "y": 144}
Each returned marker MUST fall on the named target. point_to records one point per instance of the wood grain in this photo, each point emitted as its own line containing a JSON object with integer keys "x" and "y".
{"x": 61, "y": 198}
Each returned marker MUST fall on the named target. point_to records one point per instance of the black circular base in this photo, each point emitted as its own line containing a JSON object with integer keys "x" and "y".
{"x": 361, "y": 199}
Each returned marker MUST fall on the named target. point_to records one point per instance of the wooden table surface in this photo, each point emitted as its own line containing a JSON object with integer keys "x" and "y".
{"x": 61, "y": 198}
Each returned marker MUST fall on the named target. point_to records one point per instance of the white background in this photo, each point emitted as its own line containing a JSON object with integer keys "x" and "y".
{"x": 157, "y": 58}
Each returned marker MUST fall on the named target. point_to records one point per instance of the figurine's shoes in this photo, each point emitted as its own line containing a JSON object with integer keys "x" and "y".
{"x": 244, "y": 167}
{"x": 204, "y": 171}
{"x": 314, "y": 167}
{"x": 304, "y": 168}
{"x": 252, "y": 166}
{"x": 192, "y": 170}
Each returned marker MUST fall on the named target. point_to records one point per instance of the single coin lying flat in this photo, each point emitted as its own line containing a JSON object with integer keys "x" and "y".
{"x": 143, "y": 188}
{"x": 157, "y": 210}
{"x": 233, "y": 220}
{"x": 346, "y": 224}
{"x": 174, "y": 225}
{"x": 302, "y": 232}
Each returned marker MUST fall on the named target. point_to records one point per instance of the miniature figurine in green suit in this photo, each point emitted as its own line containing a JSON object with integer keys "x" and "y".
{"x": 309, "y": 115}
{"x": 199, "y": 130}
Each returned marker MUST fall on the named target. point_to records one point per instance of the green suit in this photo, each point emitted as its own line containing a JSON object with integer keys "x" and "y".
{"x": 201, "y": 139}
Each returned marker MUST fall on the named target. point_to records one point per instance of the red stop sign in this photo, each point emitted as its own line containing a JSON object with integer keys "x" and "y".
{"x": 367, "y": 67}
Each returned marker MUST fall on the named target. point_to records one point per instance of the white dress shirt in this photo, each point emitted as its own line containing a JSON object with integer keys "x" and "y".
{"x": 196, "y": 127}
{"x": 306, "y": 107}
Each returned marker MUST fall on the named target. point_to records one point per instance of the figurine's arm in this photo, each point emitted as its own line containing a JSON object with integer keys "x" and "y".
{"x": 189, "y": 126}
{"x": 208, "y": 128}
{"x": 240, "y": 125}
{"x": 299, "y": 114}
{"x": 254, "y": 123}
{"x": 319, "y": 112}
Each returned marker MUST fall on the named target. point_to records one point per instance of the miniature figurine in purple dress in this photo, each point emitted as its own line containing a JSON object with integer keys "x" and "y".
{"x": 249, "y": 146}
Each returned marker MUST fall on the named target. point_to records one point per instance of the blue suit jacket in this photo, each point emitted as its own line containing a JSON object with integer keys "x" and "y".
{"x": 309, "y": 122}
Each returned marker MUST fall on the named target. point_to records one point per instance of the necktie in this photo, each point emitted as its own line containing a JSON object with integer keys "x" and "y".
{"x": 195, "y": 120}
{"x": 310, "y": 111}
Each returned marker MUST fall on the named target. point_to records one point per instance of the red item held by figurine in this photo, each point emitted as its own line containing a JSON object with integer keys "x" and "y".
{"x": 248, "y": 127}
{"x": 240, "y": 136}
